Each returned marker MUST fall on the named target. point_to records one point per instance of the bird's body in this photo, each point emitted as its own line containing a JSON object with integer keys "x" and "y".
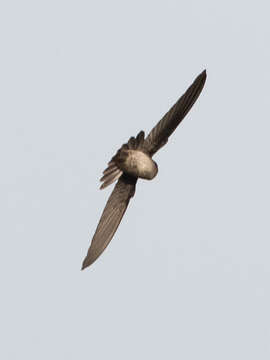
{"x": 132, "y": 161}
{"x": 139, "y": 164}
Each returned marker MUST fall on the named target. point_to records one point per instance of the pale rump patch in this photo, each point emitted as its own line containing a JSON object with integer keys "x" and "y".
{"x": 140, "y": 165}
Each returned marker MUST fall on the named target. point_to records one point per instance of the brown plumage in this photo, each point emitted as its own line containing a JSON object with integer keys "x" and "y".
{"x": 132, "y": 161}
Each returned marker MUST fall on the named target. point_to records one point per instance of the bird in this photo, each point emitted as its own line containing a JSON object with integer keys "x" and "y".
{"x": 134, "y": 161}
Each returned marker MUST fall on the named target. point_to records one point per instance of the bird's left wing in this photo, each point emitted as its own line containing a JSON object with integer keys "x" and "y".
{"x": 111, "y": 217}
{"x": 159, "y": 135}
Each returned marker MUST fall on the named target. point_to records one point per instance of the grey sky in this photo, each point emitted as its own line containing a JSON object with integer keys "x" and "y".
{"x": 71, "y": 73}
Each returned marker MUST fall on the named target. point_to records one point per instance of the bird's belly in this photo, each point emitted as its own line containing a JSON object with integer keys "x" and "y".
{"x": 140, "y": 165}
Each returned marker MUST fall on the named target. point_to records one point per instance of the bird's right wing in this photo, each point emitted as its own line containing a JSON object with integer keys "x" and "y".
{"x": 111, "y": 217}
{"x": 165, "y": 127}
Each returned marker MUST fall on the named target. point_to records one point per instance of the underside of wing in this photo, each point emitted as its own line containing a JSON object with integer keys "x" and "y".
{"x": 111, "y": 217}
{"x": 160, "y": 133}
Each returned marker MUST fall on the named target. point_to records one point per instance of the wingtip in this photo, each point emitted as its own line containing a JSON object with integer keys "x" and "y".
{"x": 84, "y": 265}
{"x": 201, "y": 78}
{"x": 89, "y": 259}
{"x": 204, "y": 74}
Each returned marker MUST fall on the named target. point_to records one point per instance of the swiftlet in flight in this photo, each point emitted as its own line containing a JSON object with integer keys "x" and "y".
{"x": 132, "y": 161}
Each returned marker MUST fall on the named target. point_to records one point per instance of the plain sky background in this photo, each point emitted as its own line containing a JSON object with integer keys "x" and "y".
{"x": 187, "y": 275}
